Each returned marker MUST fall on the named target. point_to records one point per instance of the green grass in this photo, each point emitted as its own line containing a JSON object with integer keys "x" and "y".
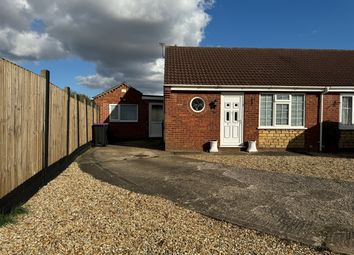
{"x": 10, "y": 218}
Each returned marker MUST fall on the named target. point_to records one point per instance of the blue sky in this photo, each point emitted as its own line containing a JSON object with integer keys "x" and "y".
{"x": 282, "y": 24}
{"x": 234, "y": 23}
{"x": 64, "y": 71}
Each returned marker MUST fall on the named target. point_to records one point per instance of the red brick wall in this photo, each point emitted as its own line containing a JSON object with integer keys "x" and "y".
{"x": 190, "y": 131}
{"x": 251, "y": 109}
{"x": 312, "y": 134}
{"x": 331, "y": 107}
{"x": 185, "y": 129}
{"x": 125, "y": 130}
{"x": 331, "y": 135}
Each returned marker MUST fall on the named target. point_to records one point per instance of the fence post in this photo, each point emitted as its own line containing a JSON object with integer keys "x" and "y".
{"x": 46, "y": 74}
{"x": 86, "y": 120}
{"x": 68, "y": 122}
{"x": 78, "y": 119}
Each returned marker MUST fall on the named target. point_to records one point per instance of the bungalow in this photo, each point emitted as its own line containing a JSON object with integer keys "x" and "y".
{"x": 130, "y": 114}
{"x": 282, "y": 98}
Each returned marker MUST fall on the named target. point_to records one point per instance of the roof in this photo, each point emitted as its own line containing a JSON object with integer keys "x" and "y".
{"x": 114, "y": 88}
{"x": 144, "y": 97}
{"x": 257, "y": 66}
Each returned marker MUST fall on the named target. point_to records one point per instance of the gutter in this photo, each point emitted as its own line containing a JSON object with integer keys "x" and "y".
{"x": 325, "y": 91}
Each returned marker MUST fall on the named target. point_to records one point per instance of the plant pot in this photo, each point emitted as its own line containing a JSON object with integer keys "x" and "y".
{"x": 252, "y": 146}
{"x": 213, "y": 146}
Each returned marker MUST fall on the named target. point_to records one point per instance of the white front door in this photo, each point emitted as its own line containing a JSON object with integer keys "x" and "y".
{"x": 231, "y": 120}
{"x": 155, "y": 119}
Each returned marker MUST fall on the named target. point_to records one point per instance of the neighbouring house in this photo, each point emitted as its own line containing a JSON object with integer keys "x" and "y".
{"x": 282, "y": 98}
{"x": 130, "y": 114}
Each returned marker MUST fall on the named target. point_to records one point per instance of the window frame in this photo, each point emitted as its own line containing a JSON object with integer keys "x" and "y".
{"x": 345, "y": 126}
{"x": 281, "y": 102}
{"x": 191, "y": 106}
{"x": 275, "y": 97}
{"x": 119, "y": 113}
{"x": 275, "y": 102}
{"x": 110, "y": 111}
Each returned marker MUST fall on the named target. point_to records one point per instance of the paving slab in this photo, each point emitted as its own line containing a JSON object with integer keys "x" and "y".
{"x": 315, "y": 211}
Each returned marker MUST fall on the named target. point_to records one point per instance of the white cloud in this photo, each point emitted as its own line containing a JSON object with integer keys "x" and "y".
{"x": 156, "y": 68}
{"x": 30, "y": 45}
{"x": 121, "y": 36}
{"x": 95, "y": 81}
{"x": 15, "y": 14}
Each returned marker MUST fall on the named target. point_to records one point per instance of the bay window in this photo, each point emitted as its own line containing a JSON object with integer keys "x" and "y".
{"x": 282, "y": 110}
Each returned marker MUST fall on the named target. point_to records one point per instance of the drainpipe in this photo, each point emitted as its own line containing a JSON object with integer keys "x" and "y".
{"x": 325, "y": 91}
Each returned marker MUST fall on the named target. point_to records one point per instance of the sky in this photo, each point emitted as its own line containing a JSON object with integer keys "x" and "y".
{"x": 92, "y": 45}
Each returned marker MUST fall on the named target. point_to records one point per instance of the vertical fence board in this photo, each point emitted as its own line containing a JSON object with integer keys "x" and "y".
{"x": 67, "y": 90}
{"x": 31, "y": 84}
{"x": 22, "y": 118}
{"x": 73, "y": 126}
{"x": 17, "y": 122}
{"x": 38, "y": 127}
{"x": 9, "y": 169}
{"x": 10, "y": 127}
{"x": 2, "y": 129}
{"x": 57, "y": 124}
{"x": 9, "y": 120}
{"x": 89, "y": 121}
{"x": 82, "y": 122}
{"x": 3, "y": 166}
{"x": 51, "y": 131}
{"x": 95, "y": 115}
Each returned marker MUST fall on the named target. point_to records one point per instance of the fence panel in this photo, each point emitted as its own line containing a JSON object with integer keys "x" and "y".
{"x": 21, "y": 125}
{"x": 22, "y": 113}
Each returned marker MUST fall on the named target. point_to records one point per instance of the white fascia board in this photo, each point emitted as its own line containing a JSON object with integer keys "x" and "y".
{"x": 341, "y": 89}
{"x": 180, "y": 87}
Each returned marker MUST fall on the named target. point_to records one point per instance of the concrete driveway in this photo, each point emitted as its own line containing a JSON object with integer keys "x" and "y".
{"x": 314, "y": 211}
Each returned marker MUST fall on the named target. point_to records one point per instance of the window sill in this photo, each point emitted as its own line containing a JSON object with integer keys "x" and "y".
{"x": 293, "y": 128}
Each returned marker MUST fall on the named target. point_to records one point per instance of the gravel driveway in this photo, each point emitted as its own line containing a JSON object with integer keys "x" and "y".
{"x": 330, "y": 166}
{"x": 77, "y": 214}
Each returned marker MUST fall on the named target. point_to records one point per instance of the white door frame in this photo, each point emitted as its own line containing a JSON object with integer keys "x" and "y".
{"x": 222, "y": 118}
{"x": 150, "y": 107}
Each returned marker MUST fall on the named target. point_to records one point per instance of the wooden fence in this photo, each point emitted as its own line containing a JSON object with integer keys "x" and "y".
{"x": 39, "y": 124}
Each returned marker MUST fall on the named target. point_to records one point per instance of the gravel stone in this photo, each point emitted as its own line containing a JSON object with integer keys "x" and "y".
{"x": 330, "y": 166}
{"x": 77, "y": 214}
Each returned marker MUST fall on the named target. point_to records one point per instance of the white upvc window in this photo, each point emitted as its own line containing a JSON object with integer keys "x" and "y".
{"x": 123, "y": 112}
{"x": 282, "y": 111}
{"x": 346, "y": 111}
